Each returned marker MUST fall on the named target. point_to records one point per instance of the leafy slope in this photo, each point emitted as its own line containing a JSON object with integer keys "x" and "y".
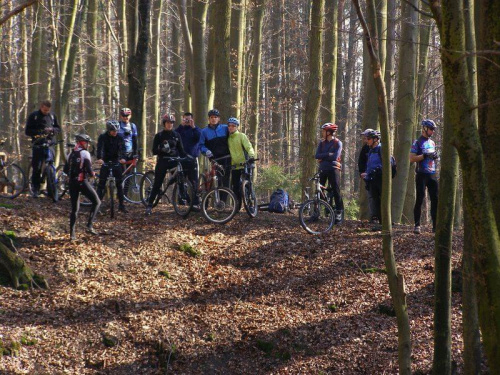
{"x": 263, "y": 296}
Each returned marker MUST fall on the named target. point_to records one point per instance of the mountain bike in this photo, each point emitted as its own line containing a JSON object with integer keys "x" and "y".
{"x": 12, "y": 177}
{"x": 316, "y": 215}
{"x": 219, "y": 204}
{"x": 132, "y": 182}
{"x": 110, "y": 186}
{"x": 48, "y": 169}
{"x": 176, "y": 188}
{"x": 247, "y": 190}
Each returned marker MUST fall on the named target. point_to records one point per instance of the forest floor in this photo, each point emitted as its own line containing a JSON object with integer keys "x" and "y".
{"x": 262, "y": 296}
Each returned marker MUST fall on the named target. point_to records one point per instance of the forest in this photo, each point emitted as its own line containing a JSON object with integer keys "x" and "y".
{"x": 162, "y": 294}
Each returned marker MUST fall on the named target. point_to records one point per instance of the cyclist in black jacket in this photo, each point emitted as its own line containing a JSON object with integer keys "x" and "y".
{"x": 79, "y": 168}
{"x": 41, "y": 124}
{"x": 166, "y": 143}
{"x": 111, "y": 149}
{"x": 362, "y": 162}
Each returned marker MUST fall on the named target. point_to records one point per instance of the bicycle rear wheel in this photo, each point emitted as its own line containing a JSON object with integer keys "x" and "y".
{"x": 316, "y": 216}
{"x": 12, "y": 181}
{"x": 61, "y": 179}
{"x": 183, "y": 197}
{"x": 52, "y": 191}
{"x": 219, "y": 205}
{"x": 146, "y": 185}
{"x": 249, "y": 199}
{"x": 132, "y": 188}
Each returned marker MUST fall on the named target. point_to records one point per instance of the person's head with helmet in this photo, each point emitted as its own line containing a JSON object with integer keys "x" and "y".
{"x": 213, "y": 117}
{"x": 168, "y": 122}
{"x": 428, "y": 128}
{"x": 329, "y": 130}
{"x": 112, "y": 127}
{"x": 232, "y": 124}
{"x": 83, "y": 141}
{"x": 125, "y": 114}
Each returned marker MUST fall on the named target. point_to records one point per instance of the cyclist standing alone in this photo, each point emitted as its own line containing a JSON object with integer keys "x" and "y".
{"x": 328, "y": 154}
{"x": 40, "y": 124}
{"x": 128, "y": 131}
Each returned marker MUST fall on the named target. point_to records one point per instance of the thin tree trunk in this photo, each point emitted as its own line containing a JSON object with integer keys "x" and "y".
{"x": 199, "y": 72}
{"x": 91, "y": 81}
{"x": 275, "y": 80}
{"x": 238, "y": 23}
{"x": 396, "y": 280}
{"x": 213, "y": 48}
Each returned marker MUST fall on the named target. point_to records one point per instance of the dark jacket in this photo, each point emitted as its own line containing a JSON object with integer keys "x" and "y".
{"x": 190, "y": 139}
{"x": 329, "y": 162}
{"x": 37, "y": 123}
{"x": 174, "y": 140}
{"x": 363, "y": 158}
{"x": 110, "y": 148}
{"x": 215, "y": 140}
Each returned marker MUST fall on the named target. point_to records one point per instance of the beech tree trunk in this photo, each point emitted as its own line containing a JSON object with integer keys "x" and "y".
{"x": 222, "y": 67}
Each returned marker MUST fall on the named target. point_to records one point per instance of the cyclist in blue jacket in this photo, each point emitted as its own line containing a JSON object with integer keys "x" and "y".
{"x": 213, "y": 144}
{"x": 328, "y": 154}
{"x": 373, "y": 172}
{"x": 423, "y": 152}
{"x": 128, "y": 131}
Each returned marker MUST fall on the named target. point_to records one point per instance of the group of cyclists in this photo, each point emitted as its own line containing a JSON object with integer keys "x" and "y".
{"x": 119, "y": 144}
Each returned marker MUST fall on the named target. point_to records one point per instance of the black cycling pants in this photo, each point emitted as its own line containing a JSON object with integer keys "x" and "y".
{"x": 190, "y": 167}
{"x": 85, "y": 188}
{"x": 236, "y": 182}
{"x": 375, "y": 189}
{"x": 39, "y": 156}
{"x": 117, "y": 174}
{"x": 422, "y": 181}
{"x": 333, "y": 178}
{"x": 161, "y": 169}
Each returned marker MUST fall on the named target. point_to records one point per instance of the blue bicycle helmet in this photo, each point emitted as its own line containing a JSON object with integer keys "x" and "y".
{"x": 233, "y": 120}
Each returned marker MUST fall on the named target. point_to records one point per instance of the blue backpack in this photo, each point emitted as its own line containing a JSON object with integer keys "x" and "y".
{"x": 279, "y": 201}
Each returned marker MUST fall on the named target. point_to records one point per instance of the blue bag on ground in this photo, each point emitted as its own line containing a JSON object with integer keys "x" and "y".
{"x": 279, "y": 201}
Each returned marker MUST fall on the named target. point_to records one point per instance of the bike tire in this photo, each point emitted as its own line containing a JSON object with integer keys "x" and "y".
{"x": 215, "y": 210}
{"x": 132, "y": 188}
{"x": 111, "y": 189}
{"x": 50, "y": 174}
{"x": 316, "y": 216}
{"x": 146, "y": 186}
{"x": 12, "y": 181}
{"x": 183, "y": 197}
{"x": 249, "y": 199}
{"x": 61, "y": 183}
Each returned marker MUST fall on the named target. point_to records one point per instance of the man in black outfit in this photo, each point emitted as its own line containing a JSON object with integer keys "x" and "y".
{"x": 166, "y": 144}
{"x": 41, "y": 125}
{"x": 79, "y": 168}
{"x": 362, "y": 162}
{"x": 111, "y": 149}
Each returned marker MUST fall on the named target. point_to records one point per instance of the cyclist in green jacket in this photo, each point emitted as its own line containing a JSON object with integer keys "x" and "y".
{"x": 241, "y": 150}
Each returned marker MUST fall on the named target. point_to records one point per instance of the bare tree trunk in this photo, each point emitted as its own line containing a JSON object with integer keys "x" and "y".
{"x": 222, "y": 69}
{"x": 199, "y": 72}
{"x": 276, "y": 137}
{"x": 238, "y": 24}
{"x": 405, "y": 104}
{"x": 313, "y": 96}
{"x": 396, "y": 280}
{"x": 91, "y": 110}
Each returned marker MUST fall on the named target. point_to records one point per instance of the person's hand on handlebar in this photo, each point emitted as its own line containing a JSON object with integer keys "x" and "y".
{"x": 122, "y": 161}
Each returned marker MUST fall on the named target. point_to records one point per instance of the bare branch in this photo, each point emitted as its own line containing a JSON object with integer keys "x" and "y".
{"x": 419, "y": 10}
{"x": 19, "y": 9}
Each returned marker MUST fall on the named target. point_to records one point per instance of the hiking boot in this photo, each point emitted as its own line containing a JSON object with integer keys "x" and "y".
{"x": 416, "y": 230}
{"x": 122, "y": 208}
{"x": 91, "y": 230}
{"x": 149, "y": 210}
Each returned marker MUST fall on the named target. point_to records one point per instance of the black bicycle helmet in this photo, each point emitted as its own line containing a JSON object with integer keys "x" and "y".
{"x": 373, "y": 134}
{"x": 112, "y": 125}
{"x": 83, "y": 137}
{"x": 214, "y": 112}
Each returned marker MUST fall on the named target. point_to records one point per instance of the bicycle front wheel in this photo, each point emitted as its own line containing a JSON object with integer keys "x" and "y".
{"x": 249, "y": 199}
{"x": 316, "y": 216}
{"x": 132, "y": 188}
{"x": 51, "y": 183}
{"x": 219, "y": 205}
{"x": 12, "y": 181}
{"x": 62, "y": 186}
{"x": 183, "y": 197}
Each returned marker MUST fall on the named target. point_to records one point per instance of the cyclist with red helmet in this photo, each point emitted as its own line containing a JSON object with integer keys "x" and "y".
{"x": 423, "y": 152}
{"x": 328, "y": 154}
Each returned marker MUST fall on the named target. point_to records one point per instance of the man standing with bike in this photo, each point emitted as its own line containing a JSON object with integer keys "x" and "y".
{"x": 111, "y": 150}
{"x": 328, "y": 154}
{"x": 41, "y": 125}
{"x": 423, "y": 152}
{"x": 213, "y": 144}
{"x": 166, "y": 144}
{"x": 79, "y": 168}
{"x": 241, "y": 150}
{"x": 190, "y": 135}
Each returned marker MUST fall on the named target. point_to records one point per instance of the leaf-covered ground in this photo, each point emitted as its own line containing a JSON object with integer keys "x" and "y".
{"x": 262, "y": 297}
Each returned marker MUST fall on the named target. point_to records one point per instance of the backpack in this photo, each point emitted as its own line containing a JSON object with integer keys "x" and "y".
{"x": 279, "y": 201}
{"x": 394, "y": 167}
